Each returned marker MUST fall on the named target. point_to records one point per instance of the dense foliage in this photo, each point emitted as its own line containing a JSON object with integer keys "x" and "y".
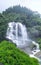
{"x": 3, "y": 27}
{"x": 10, "y": 55}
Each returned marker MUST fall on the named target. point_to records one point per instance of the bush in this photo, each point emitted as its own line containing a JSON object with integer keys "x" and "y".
{"x": 11, "y": 55}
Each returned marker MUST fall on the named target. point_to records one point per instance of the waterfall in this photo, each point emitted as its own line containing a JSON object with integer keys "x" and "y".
{"x": 17, "y": 33}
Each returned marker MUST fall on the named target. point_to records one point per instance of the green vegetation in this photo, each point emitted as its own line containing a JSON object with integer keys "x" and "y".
{"x": 39, "y": 41}
{"x": 10, "y": 55}
{"x": 3, "y": 27}
{"x": 24, "y": 15}
{"x": 31, "y": 19}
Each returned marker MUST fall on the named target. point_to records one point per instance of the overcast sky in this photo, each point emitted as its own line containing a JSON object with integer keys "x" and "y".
{"x": 34, "y": 5}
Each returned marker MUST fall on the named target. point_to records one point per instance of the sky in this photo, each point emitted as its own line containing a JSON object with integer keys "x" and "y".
{"x": 34, "y": 5}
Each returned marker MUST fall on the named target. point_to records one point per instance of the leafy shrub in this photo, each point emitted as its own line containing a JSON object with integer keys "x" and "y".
{"x": 11, "y": 55}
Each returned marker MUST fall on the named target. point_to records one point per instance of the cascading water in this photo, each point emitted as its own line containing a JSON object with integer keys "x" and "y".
{"x": 37, "y": 48}
{"x": 35, "y": 51}
{"x": 17, "y": 33}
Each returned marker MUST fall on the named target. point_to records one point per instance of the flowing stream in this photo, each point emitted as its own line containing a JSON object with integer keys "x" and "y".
{"x": 17, "y": 33}
{"x": 37, "y": 48}
{"x": 35, "y": 51}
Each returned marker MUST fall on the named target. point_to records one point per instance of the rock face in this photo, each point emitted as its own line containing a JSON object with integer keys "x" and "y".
{"x": 38, "y": 54}
{"x": 34, "y": 32}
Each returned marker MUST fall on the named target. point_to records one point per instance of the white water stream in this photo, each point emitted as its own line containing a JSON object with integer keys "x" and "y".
{"x": 17, "y": 33}
{"x": 35, "y": 51}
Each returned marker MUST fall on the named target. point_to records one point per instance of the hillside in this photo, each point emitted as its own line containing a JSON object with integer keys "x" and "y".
{"x": 24, "y": 15}
{"x": 10, "y": 55}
